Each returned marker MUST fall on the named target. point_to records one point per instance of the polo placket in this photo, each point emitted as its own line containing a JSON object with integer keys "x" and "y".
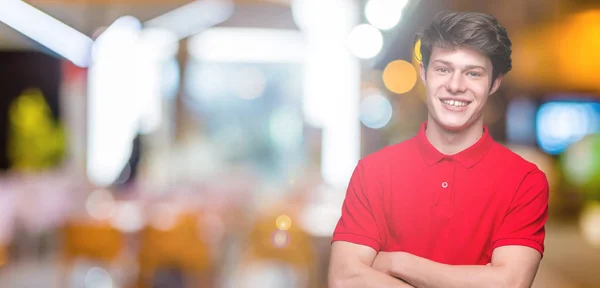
{"x": 443, "y": 206}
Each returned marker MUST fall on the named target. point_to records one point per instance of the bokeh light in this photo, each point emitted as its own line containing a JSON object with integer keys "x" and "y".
{"x": 384, "y": 14}
{"x": 280, "y": 239}
{"x": 97, "y": 277}
{"x": 100, "y": 205}
{"x": 590, "y": 223}
{"x": 283, "y": 222}
{"x": 520, "y": 121}
{"x": 399, "y": 76}
{"x": 128, "y": 217}
{"x": 365, "y": 41}
{"x": 375, "y": 111}
{"x": 560, "y": 124}
{"x": 581, "y": 162}
{"x": 164, "y": 216}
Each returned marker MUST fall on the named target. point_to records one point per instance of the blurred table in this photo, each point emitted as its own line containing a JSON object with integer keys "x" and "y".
{"x": 569, "y": 261}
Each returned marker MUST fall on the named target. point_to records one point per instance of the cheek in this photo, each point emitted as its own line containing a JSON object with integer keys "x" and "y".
{"x": 481, "y": 91}
{"x": 434, "y": 84}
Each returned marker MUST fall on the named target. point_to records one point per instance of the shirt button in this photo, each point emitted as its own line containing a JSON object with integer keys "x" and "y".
{"x": 444, "y": 184}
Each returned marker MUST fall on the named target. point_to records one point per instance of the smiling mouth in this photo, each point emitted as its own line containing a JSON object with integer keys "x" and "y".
{"x": 455, "y": 103}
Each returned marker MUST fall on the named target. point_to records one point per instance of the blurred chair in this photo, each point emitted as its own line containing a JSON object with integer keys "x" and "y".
{"x": 291, "y": 250}
{"x": 91, "y": 240}
{"x": 3, "y": 255}
{"x": 177, "y": 248}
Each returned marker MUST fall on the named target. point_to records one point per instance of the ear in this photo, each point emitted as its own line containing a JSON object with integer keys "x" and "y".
{"x": 423, "y": 72}
{"x": 496, "y": 84}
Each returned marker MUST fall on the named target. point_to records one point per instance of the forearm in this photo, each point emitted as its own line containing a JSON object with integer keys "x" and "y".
{"x": 364, "y": 277}
{"x": 424, "y": 273}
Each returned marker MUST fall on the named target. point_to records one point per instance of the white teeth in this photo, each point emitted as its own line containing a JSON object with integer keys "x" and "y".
{"x": 455, "y": 103}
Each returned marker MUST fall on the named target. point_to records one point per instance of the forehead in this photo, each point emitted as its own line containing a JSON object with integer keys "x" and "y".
{"x": 460, "y": 56}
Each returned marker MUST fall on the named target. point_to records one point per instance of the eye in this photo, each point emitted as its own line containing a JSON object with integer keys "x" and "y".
{"x": 474, "y": 74}
{"x": 442, "y": 70}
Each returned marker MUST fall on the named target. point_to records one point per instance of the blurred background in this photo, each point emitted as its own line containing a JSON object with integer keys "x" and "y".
{"x": 149, "y": 143}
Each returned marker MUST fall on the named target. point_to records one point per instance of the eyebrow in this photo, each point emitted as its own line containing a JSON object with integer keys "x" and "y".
{"x": 467, "y": 67}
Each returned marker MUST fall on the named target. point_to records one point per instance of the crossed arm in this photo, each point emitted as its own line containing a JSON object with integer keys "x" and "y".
{"x": 350, "y": 266}
{"x": 354, "y": 265}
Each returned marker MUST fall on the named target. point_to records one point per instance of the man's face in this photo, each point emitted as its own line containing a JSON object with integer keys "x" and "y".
{"x": 457, "y": 84}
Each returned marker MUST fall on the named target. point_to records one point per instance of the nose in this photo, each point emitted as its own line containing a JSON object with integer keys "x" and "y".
{"x": 456, "y": 84}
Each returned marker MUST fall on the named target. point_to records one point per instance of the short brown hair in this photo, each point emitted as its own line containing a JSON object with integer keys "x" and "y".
{"x": 477, "y": 31}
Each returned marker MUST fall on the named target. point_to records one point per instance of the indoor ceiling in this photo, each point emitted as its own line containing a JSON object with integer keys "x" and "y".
{"x": 87, "y": 16}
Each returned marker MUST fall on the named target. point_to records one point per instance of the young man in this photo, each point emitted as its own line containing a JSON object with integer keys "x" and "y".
{"x": 449, "y": 207}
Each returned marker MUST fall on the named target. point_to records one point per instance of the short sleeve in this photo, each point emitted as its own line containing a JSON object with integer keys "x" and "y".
{"x": 357, "y": 224}
{"x": 524, "y": 223}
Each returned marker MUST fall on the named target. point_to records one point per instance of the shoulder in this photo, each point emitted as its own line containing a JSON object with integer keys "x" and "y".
{"x": 516, "y": 166}
{"x": 508, "y": 158}
{"x": 386, "y": 156}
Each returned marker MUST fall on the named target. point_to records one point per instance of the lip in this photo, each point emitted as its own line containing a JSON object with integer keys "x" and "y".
{"x": 452, "y": 108}
{"x": 456, "y": 99}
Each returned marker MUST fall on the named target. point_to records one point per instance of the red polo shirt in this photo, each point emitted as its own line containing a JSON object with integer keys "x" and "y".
{"x": 450, "y": 209}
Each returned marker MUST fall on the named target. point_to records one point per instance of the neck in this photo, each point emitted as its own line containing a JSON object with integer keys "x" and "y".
{"x": 452, "y": 142}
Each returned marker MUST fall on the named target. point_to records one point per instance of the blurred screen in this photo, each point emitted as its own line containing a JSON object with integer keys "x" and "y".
{"x": 560, "y": 123}
{"x": 520, "y": 121}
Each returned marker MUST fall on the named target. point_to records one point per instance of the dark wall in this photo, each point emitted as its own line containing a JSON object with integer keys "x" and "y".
{"x": 20, "y": 70}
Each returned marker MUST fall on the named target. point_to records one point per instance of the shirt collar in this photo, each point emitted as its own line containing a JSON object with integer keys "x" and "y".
{"x": 468, "y": 157}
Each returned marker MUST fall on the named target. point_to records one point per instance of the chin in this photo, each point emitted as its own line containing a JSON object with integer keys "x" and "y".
{"x": 452, "y": 125}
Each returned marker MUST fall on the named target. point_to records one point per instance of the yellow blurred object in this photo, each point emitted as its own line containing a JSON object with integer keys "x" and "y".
{"x": 562, "y": 55}
{"x": 179, "y": 246}
{"x": 3, "y": 256}
{"x": 417, "y": 57}
{"x": 92, "y": 240}
{"x": 416, "y": 62}
{"x": 399, "y": 76}
{"x": 283, "y": 222}
{"x": 590, "y": 223}
{"x": 292, "y": 246}
{"x": 35, "y": 141}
